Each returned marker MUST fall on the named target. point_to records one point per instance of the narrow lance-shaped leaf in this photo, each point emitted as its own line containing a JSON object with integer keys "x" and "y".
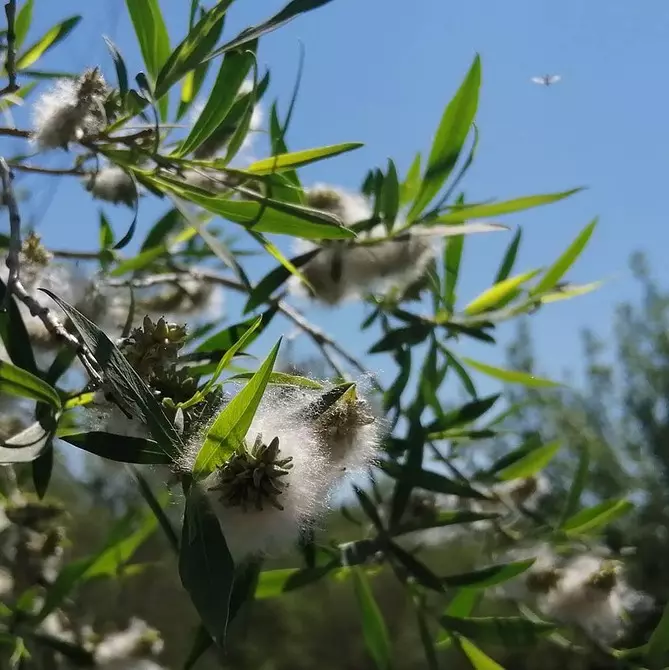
{"x": 374, "y": 628}
{"x": 449, "y": 139}
{"x": 228, "y": 431}
{"x": 510, "y": 376}
{"x": 297, "y": 159}
{"x": 154, "y": 42}
{"x": 594, "y": 518}
{"x": 478, "y": 659}
{"x": 52, "y": 37}
{"x": 18, "y": 382}
{"x": 498, "y": 294}
{"x": 578, "y": 484}
{"x": 509, "y": 257}
{"x": 467, "y": 212}
{"x": 233, "y": 70}
{"x": 205, "y": 565}
{"x": 561, "y": 266}
{"x": 22, "y": 23}
{"x": 531, "y": 463}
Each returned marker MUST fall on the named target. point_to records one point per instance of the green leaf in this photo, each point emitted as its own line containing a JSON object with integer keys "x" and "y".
{"x": 22, "y": 23}
{"x": 205, "y": 565}
{"x": 272, "y": 583}
{"x": 288, "y": 13}
{"x": 296, "y": 159}
{"x": 119, "y": 65}
{"x": 452, "y": 258}
{"x": 487, "y": 577}
{"x": 230, "y": 77}
{"x": 123, "y": 541}
{"x": 18, "y": 382}
{"x": 515, "y": 632}
{"x": 156, "y": 508}
{"x": 430, "y": 481}
{"x": 425, "y": 635}
{"x": 411, "y": 183}
{"x": 275, "y": 279}
{"x": 449, "y": 139}
{"x": 154, "y": 42}
{"x": 229, "y": 429}
{"x": 283, "y": 379}
{"x": 561, "y": 266}
{"x": 578, "y": 484}
{"x": 478, "y": 659}
{"x": 530, "y": 464}
{"x": 124, "y": 380}
{"x": 42, "y": 468}
{"x": 461, "y": 416}
{"x": 396, "y": 339}
{"x": 466, "y": 212}
{"x": 499, "y": 293}
{"x": 509, "y": 257}
{"x": 596, "y": 517}
{"x": 374, "y": 628}
{"x": 243, "y": 341}
{"x": 658, "y": 644}
{"x": 28, "y": 445}
{"x": 52, "y": 37}
{"x": 444, "y": 519}
{"x": 391, "y": 193}
{"x": 511, "y": 376}
{"x": 226, "y": 338}
{"x": 193, "y": 49}
{"x": 119, "y": 448}
{"x": 265, "y": 216}
{"x": 15, "y": 336}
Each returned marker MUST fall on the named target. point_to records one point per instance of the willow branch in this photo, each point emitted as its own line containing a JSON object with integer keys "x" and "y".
{"x": 16, "y": 288}
{"x": 322, "y": 340}
{"x": 10, "y": 58}
{"x": 53, "y": 171}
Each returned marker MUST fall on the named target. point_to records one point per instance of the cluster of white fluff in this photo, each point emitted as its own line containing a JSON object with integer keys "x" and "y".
{"x": 112, "y": 184}
{"x": 70, "y": 111}
{"x": 588, "y": 591}
{"x": 346, "y": 270}
{"x": 134, "y": 644}
{"x": 321, "y": 451}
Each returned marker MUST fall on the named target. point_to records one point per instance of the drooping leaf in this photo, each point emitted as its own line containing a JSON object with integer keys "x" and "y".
{"x": 510, "y": 376}
{"x": 18, "y": 382}
{"x": 42, "y": 468}
{"x": 15, "y": 336}
{"x": 462, "y": 416}
{"x": 120, "y": 66}
{"x": 205, "y": 565}
{"x": 658, "y": 644}
{"x": 375, "y": 633}
{"x": 230, "y": 427}
{"x": 509, "y": 257}
{"x": 124, "y": 380}
{"x": 288, "y": 13}
{"x": 561, "y": 266}
{"x": 50, "y": 39}
{"x": 431, "y": 481}
{"x": 594, "y": 518}
{"x": 119, "y": 448}
{"x": 449, "y": 139}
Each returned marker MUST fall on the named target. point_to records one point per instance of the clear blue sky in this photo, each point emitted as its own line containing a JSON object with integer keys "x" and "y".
{"x": 381, "y": 71}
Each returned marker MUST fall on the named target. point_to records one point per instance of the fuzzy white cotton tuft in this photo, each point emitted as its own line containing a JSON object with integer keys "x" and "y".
{"x": 138, "y": 639}
{"x": 542, "y": 576}
{"x": 349, "y": 207}
{"x": 106, "y": 417}
{"x": 525, "y": 492}
{"x": 114, "y": 185}
{"x": 272, "y": 530}
{"x": 132, "y": 664}
{"x": 593, "y": 595}
{"x": 69, "y": 111}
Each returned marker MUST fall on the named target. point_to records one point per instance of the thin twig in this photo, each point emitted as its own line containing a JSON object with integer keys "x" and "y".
{"x": 16, "y": 288}
{"x": 15, "y": 132}
{"x": 13, "y": 262}
{"x": 10, "y": 58}
{"x": 322, "y": 340}
{"x": 54, "y": 171}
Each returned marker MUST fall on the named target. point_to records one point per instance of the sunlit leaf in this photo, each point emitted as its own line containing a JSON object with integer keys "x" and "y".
{"x": 531, "y": 463}
{"x": 499, "y": 293}
{"x": 22, "y": 23}
{"x": 50, "y": 39}
{"x": 594, "y": 518}
{"x": 18, "y": 382}
{"x": 478, "y": 659}
{"x": 510, "y": 376}
{"x": 297, "y": 159}
{"x": 374, "y": 628}
{"x": 154, "y": 42}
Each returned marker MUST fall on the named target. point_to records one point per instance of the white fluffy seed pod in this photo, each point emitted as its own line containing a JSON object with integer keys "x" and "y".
{"x": 136, "y": 641}
{"x": 69, "y": 111}
{"x": 594, "y": 595}
{"x": 542, "y": 576}
{"x": 112, "y": 184}
{"x": 307, "y": 463}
